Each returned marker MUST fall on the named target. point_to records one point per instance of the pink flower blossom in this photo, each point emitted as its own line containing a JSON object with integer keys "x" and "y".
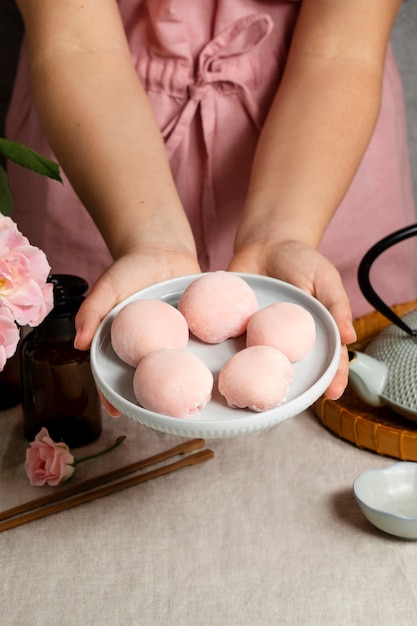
{"x": 24, "y": 270}
{"x": 48, "y": 462}
{"x": 9, "y": 336}
{"x": 51, "y": 463}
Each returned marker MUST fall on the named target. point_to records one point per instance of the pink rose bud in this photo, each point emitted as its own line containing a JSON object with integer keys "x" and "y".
{"x": 47, "y": 461}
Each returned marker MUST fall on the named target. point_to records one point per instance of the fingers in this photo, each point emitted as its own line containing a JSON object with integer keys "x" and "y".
{"x": 339, "y": 307}
{"x": 98, "y": 303}
{"x": 333, "y": 295}
{"x": 111, "y": 410}
{"x": 87, "y": 323}
{"x": 340, "y": 381}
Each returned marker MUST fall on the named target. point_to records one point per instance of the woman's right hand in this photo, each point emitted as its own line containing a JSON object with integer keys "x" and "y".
{"x": 130, "y": 273}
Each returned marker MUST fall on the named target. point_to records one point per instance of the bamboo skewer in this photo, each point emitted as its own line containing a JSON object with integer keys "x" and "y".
{"x": 85, "y": 491}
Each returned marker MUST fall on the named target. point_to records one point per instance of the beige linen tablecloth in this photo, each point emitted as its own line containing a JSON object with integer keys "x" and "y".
{"x": 266, "y": 533}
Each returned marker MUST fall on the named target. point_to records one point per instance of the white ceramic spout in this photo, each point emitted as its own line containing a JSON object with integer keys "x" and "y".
{"x": 368, "y": 377}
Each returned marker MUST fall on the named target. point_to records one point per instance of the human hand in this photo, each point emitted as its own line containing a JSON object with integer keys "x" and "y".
{"x": 128, "y": 274}
{"x": 303, "y": 266}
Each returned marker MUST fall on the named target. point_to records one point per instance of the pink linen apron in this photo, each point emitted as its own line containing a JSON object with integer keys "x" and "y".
{"x": 211, "y": 70}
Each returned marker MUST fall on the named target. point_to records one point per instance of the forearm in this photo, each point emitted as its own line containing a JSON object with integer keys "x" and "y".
{"x": 104, "y": 134}
{"x": 113, "y": 154}
{"x": 309, "y": 152}
{"x": 316, "y": 133}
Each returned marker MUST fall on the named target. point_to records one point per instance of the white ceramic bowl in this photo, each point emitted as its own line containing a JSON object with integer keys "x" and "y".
{"x": 312, "y": 375}
{"x": 388, "y": 498}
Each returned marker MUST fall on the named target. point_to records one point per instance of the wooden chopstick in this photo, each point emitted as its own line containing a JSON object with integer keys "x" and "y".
{"x": 82, "y": 492}
{"x": 82, "y": 498}
{"x": 187, "y": 446}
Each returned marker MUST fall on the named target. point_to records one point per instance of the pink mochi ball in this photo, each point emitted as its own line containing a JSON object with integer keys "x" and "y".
{"x": 143, "y": 326}
{"x": 218, "y": 306}
{"x": 173, "y": 382}
{"x": 257, "y": 378}
{"x": 286, "y": 326}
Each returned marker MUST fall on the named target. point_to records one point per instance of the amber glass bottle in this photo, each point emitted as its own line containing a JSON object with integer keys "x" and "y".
{"x": 10, "y": 394}
{"x": 58, "y": 389}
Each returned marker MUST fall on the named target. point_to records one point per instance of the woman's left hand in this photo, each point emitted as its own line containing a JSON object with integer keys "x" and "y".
{"x": 303, "y": 266}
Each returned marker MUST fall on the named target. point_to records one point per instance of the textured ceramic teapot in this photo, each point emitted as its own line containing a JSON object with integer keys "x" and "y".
{"x": 386, "y": 372}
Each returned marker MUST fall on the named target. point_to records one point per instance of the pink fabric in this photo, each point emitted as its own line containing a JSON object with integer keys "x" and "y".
{"x": 211, "y": 70}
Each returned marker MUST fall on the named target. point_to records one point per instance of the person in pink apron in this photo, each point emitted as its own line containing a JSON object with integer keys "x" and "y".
{"x": 251, "y": 135}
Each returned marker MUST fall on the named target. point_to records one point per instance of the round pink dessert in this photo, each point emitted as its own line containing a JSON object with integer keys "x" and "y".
{"x": 173, "y": 382}
{"x": 286, "y": 326}
{"x": 257, "y": 378}
{"x": 218, "y": 306}
{"x": 143, "y": 326}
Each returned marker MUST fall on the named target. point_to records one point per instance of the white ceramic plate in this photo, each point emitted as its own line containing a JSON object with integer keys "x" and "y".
{"x": 387, "y": 498}
{"x": 312, "y": 375}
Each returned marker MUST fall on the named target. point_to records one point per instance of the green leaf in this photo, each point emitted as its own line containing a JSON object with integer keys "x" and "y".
{"x": 6, "y": 202}
{"x": 32, "y": 160}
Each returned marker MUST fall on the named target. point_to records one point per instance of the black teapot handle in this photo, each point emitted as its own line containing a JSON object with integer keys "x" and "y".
{"x": 364, "y": 270}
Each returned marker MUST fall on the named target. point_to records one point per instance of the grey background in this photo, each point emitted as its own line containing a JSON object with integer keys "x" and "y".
{"x": 404, "y": 40}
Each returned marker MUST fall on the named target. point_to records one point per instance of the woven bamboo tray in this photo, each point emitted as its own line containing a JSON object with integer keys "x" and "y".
{"x": 380, "y": 430}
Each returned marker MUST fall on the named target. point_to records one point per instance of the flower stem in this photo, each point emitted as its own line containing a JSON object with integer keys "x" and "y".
{"x": 93, "y": 456}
